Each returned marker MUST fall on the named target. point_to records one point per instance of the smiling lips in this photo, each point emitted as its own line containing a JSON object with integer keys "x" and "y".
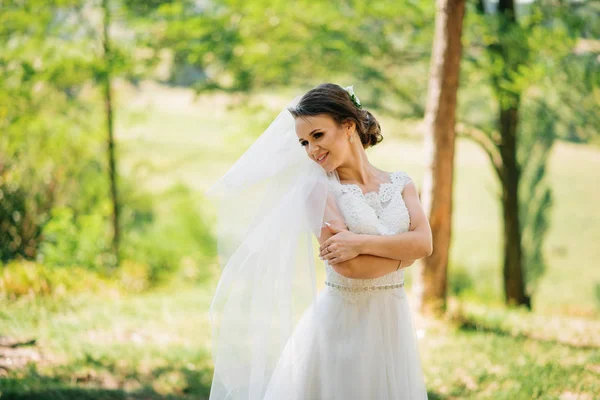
{"x": 322, "y": 157}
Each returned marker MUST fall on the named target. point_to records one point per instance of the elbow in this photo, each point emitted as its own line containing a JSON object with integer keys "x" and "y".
{"x": 347, "y": 268}
{"x": 429, "y": 250}
{"x": 428, "y": 247}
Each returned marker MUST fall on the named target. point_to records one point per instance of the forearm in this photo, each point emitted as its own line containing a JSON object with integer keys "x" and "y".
{"x": 410, "y": 245}
{"x": 366, "y": 266}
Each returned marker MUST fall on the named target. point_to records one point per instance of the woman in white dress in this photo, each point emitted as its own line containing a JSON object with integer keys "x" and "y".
{"x": 355, "y": 340}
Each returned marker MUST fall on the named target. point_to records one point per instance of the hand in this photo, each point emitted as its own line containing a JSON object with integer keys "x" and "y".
{"x": 342, "y": 246}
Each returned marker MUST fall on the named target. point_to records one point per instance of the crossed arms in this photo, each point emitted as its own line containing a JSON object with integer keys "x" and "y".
{"x": 361, "y": 256}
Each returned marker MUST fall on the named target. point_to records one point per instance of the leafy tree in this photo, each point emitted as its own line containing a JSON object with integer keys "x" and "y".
{"x": 48, "y": 137}
{"x": 515, "y": 51}
{"x": 239, "y": 46}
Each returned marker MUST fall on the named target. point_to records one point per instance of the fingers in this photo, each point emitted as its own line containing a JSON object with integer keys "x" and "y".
{"x": 324, "y": 245}
{"x": 331, "y": 258}
{"x": 327, "y": 250}
{"x": 326, "y": 257}
{"x": 336, "y": 260}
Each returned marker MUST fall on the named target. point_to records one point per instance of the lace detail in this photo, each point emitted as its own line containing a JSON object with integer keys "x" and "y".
{"x": 361, "y": 289}
{"x": 356, "y": 289}
{"x": 376, "y": 213}
{"x": 399, "y": 179}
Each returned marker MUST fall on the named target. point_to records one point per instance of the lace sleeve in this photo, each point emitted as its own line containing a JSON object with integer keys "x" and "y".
{"x": 402, "y": 179}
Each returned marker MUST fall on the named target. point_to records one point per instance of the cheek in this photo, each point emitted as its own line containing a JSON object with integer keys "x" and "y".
{"x": 339, "y": 145}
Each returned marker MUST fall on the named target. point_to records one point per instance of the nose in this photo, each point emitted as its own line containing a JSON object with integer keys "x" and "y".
{"x": 314, "y": 152}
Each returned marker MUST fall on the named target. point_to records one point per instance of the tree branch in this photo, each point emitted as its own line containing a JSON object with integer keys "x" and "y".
{"x": 487, "y": 143}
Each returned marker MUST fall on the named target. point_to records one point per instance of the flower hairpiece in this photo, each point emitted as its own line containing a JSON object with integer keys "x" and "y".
{"x": 355, "y": 100}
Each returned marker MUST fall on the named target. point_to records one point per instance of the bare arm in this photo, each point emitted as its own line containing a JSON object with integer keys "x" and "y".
{"x": 359, "y": 266}
{"x": 363, "y": 266}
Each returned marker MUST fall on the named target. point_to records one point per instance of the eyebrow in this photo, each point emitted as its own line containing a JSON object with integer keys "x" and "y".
{"x": 310, "y": 134}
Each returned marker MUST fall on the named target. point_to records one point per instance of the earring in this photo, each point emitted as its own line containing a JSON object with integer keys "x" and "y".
{"x": 351, "y": 138}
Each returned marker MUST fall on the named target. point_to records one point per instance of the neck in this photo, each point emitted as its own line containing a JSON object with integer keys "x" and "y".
{"x": 357, "y": 169}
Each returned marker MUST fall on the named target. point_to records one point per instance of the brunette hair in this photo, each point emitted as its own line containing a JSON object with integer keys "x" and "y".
{"x": 334, "y": 100}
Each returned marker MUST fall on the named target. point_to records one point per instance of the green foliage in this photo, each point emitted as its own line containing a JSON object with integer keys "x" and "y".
{"x": 537, "y": 136}
{"x": 178, "y": 240}
{"x": 459, "y": 281}
{"x": 166, "y": 238}
{"x": 235, "y": 46}
{"x": 546, "y": 54}
{"x": 50, "y": 136}
{"x": 523, "y": 61}
{"x": 53, "y": 176}
{"x": 33, "y": 280}
{"x": 574, "y": 95}
{"x": 81, "y": 240}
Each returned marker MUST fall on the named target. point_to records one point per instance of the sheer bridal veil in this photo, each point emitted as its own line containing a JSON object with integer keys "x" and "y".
{"x": 269, "y": 205}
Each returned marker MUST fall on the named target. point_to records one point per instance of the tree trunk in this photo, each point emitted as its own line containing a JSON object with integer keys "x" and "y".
{"x": 436, "y": 196}
{"x": 509, "y": 102}
{"x": 110, "y": 128}
{"x": 514, "y": 288}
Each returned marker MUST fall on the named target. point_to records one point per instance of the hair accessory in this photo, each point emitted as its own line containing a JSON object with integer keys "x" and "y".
{"x": 355, "y": 100}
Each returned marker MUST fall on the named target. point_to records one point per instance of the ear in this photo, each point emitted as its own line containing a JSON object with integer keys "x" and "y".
{"x": 347, "y": 125}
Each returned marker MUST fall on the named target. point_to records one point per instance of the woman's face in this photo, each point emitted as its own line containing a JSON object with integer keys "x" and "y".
{"x": 325, "y": 142}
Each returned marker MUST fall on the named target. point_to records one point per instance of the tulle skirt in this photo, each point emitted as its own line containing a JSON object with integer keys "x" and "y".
{"x": 351, "y": 346}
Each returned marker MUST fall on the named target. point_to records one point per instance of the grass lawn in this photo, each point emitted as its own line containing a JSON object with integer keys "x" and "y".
{"x": 157, "y": 346}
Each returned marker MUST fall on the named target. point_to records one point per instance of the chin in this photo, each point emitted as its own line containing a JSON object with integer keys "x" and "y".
{"x": 327, "y": 168}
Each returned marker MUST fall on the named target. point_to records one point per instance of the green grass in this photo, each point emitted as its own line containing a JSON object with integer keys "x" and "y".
{"x": 149, "y": 346}
{"x": 467, "y": 364}
{"x": 157, "y": 346}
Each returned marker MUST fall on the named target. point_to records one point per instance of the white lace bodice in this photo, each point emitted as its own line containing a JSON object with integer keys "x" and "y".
{"x": 375, "y": 213}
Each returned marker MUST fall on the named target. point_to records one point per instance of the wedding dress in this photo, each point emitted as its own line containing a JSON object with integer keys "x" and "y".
{"x": 357, "y": 340}
{"x": 274, "y": 335}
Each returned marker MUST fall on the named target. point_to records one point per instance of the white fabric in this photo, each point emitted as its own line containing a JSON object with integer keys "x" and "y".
{"x": 360, "y": 343}
{"x": 271, "y": 205}
{"x": 374, "y": 213}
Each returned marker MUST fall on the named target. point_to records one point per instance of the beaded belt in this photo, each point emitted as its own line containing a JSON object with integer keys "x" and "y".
{"x": 364, "y": 288}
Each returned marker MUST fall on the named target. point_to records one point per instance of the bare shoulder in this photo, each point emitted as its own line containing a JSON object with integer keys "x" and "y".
{"x": 418, "y": 217}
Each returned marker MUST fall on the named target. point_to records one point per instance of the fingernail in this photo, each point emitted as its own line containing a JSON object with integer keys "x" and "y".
{"x": 327, "y": 223}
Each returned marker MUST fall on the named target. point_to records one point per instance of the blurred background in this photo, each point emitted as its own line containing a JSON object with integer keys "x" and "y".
{"x": 116, "y": 115}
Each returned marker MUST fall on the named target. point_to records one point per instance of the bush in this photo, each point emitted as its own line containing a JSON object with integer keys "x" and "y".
{"x": 82, "y": 240}
{"x": 460, "y": 281}
{"x": 29, "y": 279}
{"x": 179, "y": 236}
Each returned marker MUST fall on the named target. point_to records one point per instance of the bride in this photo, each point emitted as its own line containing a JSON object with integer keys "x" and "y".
{"x": 274, "y": 335}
